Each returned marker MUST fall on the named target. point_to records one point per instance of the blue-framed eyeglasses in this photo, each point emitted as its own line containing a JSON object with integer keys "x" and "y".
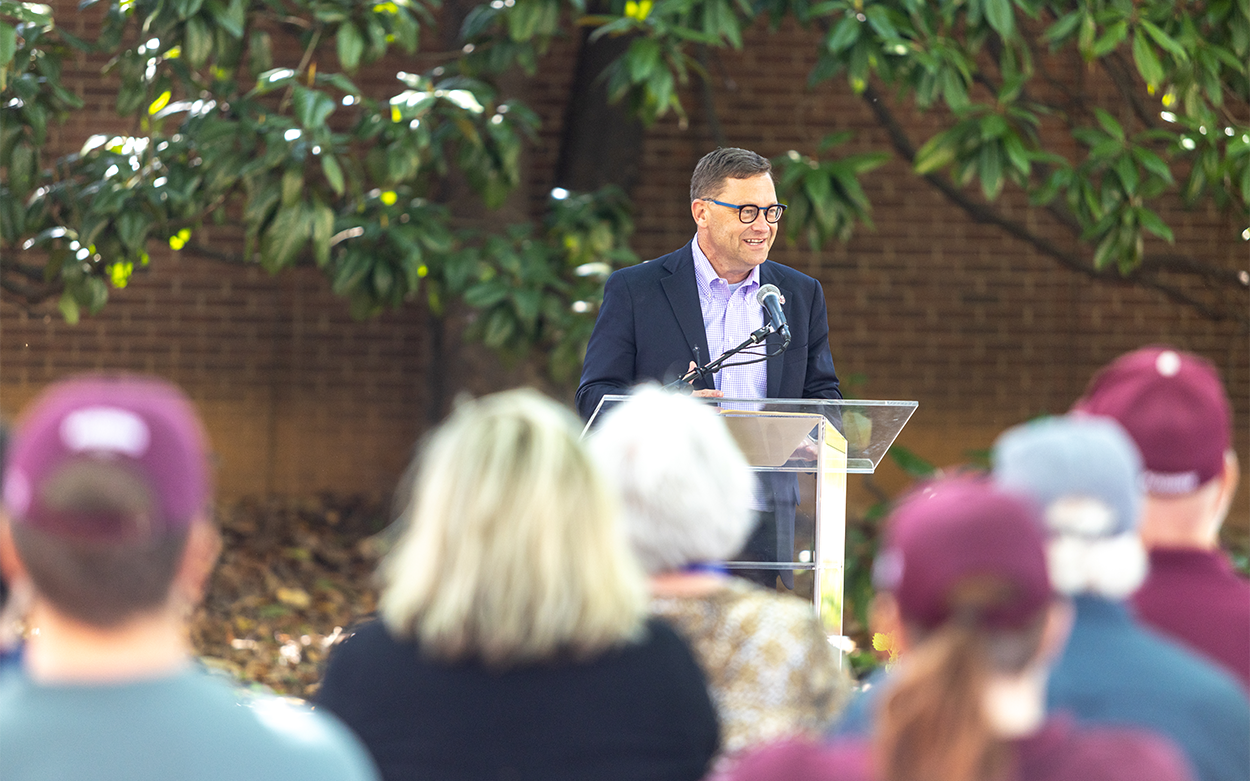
{"x": 747, "y": 212}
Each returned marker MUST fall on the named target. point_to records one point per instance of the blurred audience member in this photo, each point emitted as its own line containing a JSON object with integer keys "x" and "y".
{"x": 12, "y": 605}
{"x": 687, "y": 507}
{"x": 514, "y": 641}
{"x": 106, "y": 492}
{"x": 1174, "y": 407}
{"x": 963, "y": 586}
{"x": 8, "y": 634}
{"x": 1084, "y": 471}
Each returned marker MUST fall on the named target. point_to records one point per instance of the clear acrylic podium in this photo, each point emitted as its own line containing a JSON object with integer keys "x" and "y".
{"x": 820, "y": 442}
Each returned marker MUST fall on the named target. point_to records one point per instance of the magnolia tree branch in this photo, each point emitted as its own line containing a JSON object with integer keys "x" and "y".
{"x": 23, "y": 283}
{"x": 1147, "y": 275}
{"x": 1121, "y": 74}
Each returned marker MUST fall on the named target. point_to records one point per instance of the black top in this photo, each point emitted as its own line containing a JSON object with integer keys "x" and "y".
{"x": 638, "y": 712}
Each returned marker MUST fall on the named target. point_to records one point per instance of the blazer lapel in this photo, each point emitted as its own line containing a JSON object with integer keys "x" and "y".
{"x": 683, "y": 296}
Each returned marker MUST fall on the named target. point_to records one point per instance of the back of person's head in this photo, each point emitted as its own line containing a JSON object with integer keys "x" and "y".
{"x": 725, "y": 163}
{"x": 1085, "y": 473}
{"x": 511, "y": 549}
{"x": 963, "y": 562}
{"x": 685, "y": 485}
{"x": 1174, "y": 406}
{"x": 105, "y": 476}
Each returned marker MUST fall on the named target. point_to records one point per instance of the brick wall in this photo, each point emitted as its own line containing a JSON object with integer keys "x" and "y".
{"x": 980, "y": 328}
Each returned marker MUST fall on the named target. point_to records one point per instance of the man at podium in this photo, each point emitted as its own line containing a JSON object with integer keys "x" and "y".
{"x": 667, "y": 317}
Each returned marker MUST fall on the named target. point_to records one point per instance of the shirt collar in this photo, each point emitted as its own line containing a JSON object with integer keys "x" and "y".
{"x": 704, "y": 274}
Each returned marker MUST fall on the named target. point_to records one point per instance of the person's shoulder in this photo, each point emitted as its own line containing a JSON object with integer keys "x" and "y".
{"x": 371, "y": 633}
{"x": 656, "y": 267}
{"x": 745, "y": 602}
{"x": 1193, "y": 675}
{"x": 789, "y": 275}
{"x": 1106, "y": 752}
{"x": 803, "y": 760}
{"x": 266, "y": 730}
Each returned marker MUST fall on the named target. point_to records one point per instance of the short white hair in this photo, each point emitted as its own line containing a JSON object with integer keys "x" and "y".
{"x": 1085, "y": 558}
{"x": 685, "y": 485}
{"x": 512, "y": 549}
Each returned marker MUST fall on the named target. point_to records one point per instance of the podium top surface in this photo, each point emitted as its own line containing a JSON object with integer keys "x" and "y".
{"x": 869, "y": 426}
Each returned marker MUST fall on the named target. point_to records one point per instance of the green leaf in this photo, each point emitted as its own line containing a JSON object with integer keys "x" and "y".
{"x": 8, "y": 44}
{"x": 1165, "y": 41}
{"x": 132, "y": 228}
{"x": 844, "y": 35}
{"x": 1153, "y": 163}
{"x": 1085, "y": 38}
{"x": 500, "y": 328}
{"x": 954, "y": 90}
{"x": 232, "y": 18}
{"x": 879, "y": 19}
{"x": 1105, "y": 253}
{"x": 284, "y": 238}
{"x": 912, "y": 464}
{"x": 383, "y": 278}
{"x": 350, "y": 45}
{"x": 23, "y": 167}
{"x": 12, "y": 219}
{"x": 1112, "y": 38}
{"x": 1126, "y": 171}
{"x": 1016, "y": 153}
{"x": 937, "y": 153}
{"x": 1001, "y": 17}
{"x": 1240, "y": 37}
{"x": 526, "y": 302}
{"x": 1153, "y": 223}
{"x": 1147, "y": 61}
{"x": 334, "y": 173}
{"x": 991, "y": 171}
{"x": 260, "y": 52}
{"x": 322, "y": 232}
{"x": 1109, "y": 124}
{"x": 69, "y": 307}
{"x": 486, "y": 294}
{"x": 197, "y": 42}
{"x": 312, "y": 107}
{"x": 1062, "y": 28}
{"x": 644, "y": 57}
{"x": 273, "y": 79}
{"x": 292, "y": 186}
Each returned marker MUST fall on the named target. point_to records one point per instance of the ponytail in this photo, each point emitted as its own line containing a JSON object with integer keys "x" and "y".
{"x": 932, "y": 724}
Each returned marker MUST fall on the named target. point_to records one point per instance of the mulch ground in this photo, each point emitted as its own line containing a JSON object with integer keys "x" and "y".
{"x": 290, "y": 580}
{"x": 293, "y": 577}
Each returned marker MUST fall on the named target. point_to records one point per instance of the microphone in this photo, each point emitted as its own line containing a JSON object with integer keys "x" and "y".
{"x": 769, "y": 297}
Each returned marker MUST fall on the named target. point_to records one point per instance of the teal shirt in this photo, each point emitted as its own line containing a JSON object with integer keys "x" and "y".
{"x": 190, "y": 726}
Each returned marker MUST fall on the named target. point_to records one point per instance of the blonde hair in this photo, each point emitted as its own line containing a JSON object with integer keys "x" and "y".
{"x": 511, "y": 551}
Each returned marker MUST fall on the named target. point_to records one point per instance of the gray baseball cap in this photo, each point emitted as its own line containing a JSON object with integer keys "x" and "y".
{"x": 1075, "y": 456}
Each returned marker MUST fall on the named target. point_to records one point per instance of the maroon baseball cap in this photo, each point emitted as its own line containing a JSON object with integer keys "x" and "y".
{"x": 964, "y": 543}
{"x": 144, "y": 426}
{"x": 1173, "y": 405}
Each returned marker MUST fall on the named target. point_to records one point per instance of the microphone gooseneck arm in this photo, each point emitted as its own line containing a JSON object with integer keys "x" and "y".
{"x": 757, "y": 336}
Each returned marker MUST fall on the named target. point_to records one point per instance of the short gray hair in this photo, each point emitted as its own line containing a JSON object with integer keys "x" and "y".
{"x": 725, "y": 163}
{"x": 685, "y": 485}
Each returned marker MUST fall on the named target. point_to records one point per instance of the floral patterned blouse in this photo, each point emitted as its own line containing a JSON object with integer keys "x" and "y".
{"x": 770, "y": 669}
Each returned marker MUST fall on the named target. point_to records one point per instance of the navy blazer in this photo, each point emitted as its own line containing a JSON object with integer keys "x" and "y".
{"x": 650, "y": 327}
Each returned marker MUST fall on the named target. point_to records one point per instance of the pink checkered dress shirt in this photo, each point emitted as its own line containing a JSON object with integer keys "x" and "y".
{"x": 730, "y": 315}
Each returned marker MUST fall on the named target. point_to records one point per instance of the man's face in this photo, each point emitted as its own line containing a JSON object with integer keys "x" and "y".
{"x": 732, "y": 246}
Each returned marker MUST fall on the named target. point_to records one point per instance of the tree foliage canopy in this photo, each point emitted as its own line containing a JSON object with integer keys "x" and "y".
{"x": 231, "y": 127}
